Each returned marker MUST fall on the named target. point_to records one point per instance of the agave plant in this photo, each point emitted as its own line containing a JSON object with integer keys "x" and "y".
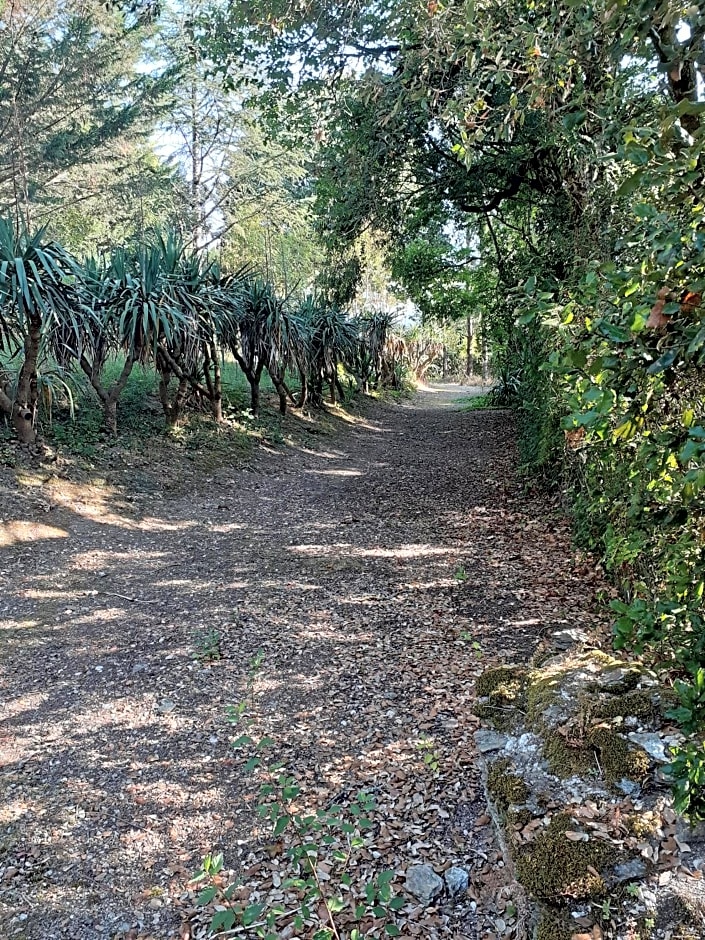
{"x": 37, "y": 290}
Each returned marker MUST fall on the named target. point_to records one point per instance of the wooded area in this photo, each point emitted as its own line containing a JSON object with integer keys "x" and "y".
{"x": 236, "y": 210}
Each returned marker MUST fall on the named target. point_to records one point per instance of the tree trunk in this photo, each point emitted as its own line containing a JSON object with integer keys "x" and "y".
{"x": 110, "y": 415}
{"x": 109, "y": 397}
{"x": 217, "y": 401}
{"x": 25, "y": 404}
{"x": 5, "y": 400}
{"x": 444, "y": 365}
{"x": 214, "y": 381}
{"x": 303, "y": 394}
{"x": 254, "y": 395}
{"x": 281, "y": 392}
{"x": 470, "y": 361}
{"x": 172, "y": 407}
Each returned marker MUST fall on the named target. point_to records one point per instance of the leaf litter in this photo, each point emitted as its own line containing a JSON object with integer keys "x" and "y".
{"x": 379, "y": 570}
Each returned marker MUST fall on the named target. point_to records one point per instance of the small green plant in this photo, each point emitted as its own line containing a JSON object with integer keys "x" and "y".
{"x": 326, "y": 836}
{"x": 208, "y": 646}
{"x": 690, "y": 713}
{"x": 687, "y": 772}
{"x": 461, "y": 574}
{"x": 474, "y": 644}
{"x": 431, "y": 757}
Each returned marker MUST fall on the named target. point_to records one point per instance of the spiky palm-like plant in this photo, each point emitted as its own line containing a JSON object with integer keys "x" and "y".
{"x": 333, "y": 342}
{"x": 37, "y": 291}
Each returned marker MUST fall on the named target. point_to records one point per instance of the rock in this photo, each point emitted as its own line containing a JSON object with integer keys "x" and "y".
{"x": 488, "y": 740}
{"x": 457, "y": 881}
{"x": 629, "y": 787}
{"x": 423, "y": 883}
{"x": 652, "y": 743}
{"x": 564, "y": 639}
{"x": 629, "y": 871}
{"x": 166, "y": 706}
{"x": 613, "y": 679}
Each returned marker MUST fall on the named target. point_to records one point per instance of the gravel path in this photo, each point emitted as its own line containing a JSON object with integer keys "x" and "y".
{"x": 377, "y": 571}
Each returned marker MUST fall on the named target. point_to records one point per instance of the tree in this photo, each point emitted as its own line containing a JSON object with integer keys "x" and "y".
{"x": 268, "y": 217}
{"x": 68, "y": 92}
{"x": 37, "y": 293}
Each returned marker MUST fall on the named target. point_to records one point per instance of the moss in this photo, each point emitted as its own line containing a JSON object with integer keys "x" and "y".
{"x": 503, "y": 688}
{"x": 503, "y": 718}
{"x": 618, "y": 758}
{"x": 504, "y": 787}
{"x": 668, "y": 699}
{"x": 541, "y": 694}
{"x": 505, "y": 680}
{"x": 518, "y": 818}
{"x": 554, "y": 925}
{"x": 639, "y": 703}
{"x": 552, "y": 867}
{"x": 566, "y": 761}
{"x": 640, "y": 825}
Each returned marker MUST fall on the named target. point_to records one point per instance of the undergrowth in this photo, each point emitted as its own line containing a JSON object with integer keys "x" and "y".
{"x": 308, "y": 841}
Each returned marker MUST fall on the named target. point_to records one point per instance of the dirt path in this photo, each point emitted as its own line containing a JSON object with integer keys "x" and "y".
{"x": 376, "y": 576}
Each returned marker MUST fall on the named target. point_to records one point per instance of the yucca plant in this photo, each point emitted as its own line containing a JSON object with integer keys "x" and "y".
{"x": 333, "y": 342}
{"x": 374, "y": 332}
{"x": 90, "y": 339}
{"x": 286, "y": 338}
{"x": 38, "y": 281}
{"x": 251, "y": 330}
{"x": 221, "y": 297}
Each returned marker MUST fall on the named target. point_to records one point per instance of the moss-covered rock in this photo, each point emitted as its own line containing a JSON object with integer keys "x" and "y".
{"x": 519, "y": 817}
{"x": 506, "y": 681}
{"x": 552, "y": 867}
{"x": 504, "y": 786}
{"x": 638, "y": 703}
{"x": 618, "y": 758}
{"x": 604, "y": 749}
{"x": 543, "y": 691}
{"x": 554, "y": 925}
{"x": 565, "y": 760}
{"x": 502, "y": 693}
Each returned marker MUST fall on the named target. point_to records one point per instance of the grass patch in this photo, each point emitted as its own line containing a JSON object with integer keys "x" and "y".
{"x": 475, "y": 403}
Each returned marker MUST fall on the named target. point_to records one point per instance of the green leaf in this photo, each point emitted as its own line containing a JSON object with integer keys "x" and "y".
{"x": 574, "y": 119}
{"x": 392, "y": 930}
{"x": 223, "y": 920}
{"x": 251, "y": 914}
{"x": 280, "y": 825}
{"x": 664, "y": 361}
{"x": 206, "y": 896}
{"x": 630, "y": 184}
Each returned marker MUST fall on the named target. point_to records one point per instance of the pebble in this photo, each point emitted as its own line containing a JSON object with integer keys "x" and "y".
{"x": 457, "y": 881}
{"x": 423, "y": 883}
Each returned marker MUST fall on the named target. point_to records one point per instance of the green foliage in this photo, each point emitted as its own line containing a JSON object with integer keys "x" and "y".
{"x": 72, "y": 103}
{"x": 207, "y": 646}
{"x": 687, "y": 770}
